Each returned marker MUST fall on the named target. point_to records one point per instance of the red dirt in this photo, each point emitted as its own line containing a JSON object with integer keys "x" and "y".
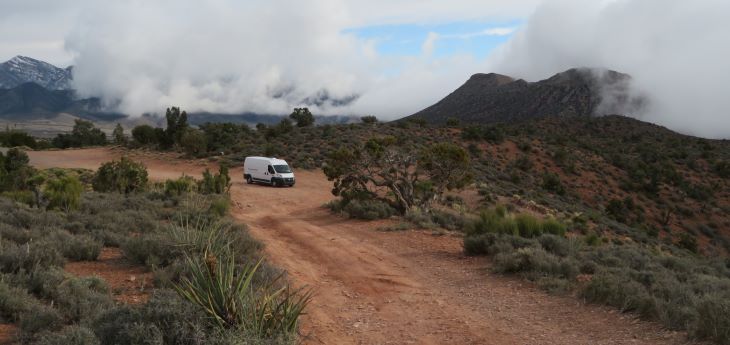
{"x": 8, "y": 332}
{"x": 375, "y": 287}
{"x": 130, "y": 284}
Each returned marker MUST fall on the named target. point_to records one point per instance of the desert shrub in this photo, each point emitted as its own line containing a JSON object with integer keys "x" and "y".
{"x": 215, "y": 183}
{"x": 41, "y": 253}
{"x": 369, "y": 119}
{"x": 83, "y": 134}
{"x": 22, "y": 196}
{"x": 15, "y": 173}
{"x": 193, "y": 142}
{"x": 184, "y": 184}
{"x": 479, "y": 244}
{"x": 82, "y": 298}
{"x": 368, "y": 209}
{"x": 149, "y": 249}
{"x": 219, "y": 207}
{"x": 551, "y": 182}
{"x": 81, "y": 247}
{"x": 688, "y": 241}
{"x": 713, "y": 319}
{"x": 555, "y": 244}
{"x": 523, "y": 163}
{"x": 144, "y": 135}
{"x": 620, "y": 291}
{"x": 40, "y": 318}
{"x": 722, "y": 168}
{"x": 492, "y": 221}
{"x": 64, "y": 193}
{"x": 122, "y": 176}
{"x": 448, "y": 220}
{"x": 14, "y": 138}
{"x": 553, "y": 226}
{"x": 528, "y": 226}
{"x": 125, "y": 325}
{"x": 535, "y": 262}
{"x": 69, "y": 335}
{"x": 14, "y": 302}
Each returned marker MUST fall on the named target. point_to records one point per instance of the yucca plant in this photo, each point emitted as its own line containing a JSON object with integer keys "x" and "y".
{"x": 276, "y": 312}
{"x": 201, "y": 235}
{"x": 225, "y": 292}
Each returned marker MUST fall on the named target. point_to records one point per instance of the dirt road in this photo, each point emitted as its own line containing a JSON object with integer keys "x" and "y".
{"x": 375, "y": 287}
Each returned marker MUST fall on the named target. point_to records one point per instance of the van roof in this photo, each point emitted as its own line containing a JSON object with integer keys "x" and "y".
{"x": 271, "y": 159}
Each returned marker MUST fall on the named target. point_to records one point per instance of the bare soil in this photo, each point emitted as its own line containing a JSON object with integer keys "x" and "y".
{"x": 375, "y": 287}
{"x": 130, "y": 284}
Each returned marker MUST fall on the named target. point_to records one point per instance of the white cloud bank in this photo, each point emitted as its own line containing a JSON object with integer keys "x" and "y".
{"x": 265, "y": 56}
{"x": 677, "y": 51}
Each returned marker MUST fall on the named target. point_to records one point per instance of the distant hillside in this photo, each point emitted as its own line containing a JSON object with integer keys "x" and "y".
{"x": 30, "y": 101}
{"x": 492, "y": 98}
{"x": 21, "y": 69}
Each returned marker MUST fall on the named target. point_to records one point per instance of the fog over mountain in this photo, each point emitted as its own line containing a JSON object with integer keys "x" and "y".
{"x": 676, "y": 52}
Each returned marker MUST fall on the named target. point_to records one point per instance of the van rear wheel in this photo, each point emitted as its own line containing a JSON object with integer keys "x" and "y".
{"x": 249, "y": 180}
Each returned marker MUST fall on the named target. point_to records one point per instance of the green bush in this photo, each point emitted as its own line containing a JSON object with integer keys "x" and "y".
{"x": 219, "y": 207}
{"x": 41, "y": 253}
{"x": 368, "y": 209}
{"x": 620, "y": 291}
{"x": 144, "y": 135}
{"x": 149, "y": 249}
{"x": 122, "y": 176}
{"x": 551, "y": 182}
{"x": 64, "y": 193}
{"x": 528, "y": 226}
{"x": 713, "y": 319}
{"x": 83, "y": 134}
{"x": 82, "y": 298}
{"x": 553, "y": 226}
{"x": 219, "y": 183}
{"x": 69, "y": 335}
{"x": 81, "y": 247}
{"x": 38, "y": 319}
{"x": 14, "y": 302}
{"x": 184, "y": 184}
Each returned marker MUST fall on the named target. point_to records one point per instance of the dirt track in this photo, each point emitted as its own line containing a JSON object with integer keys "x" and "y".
{"x": 375, "y": 287}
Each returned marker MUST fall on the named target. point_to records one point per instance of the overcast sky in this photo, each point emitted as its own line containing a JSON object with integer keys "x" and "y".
{"x": 398, "y": 56}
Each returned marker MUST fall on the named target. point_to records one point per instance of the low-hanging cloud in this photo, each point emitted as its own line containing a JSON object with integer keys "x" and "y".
{"x": 675, "y": 50}
{"x": 264, "y": 56}
{"x": 268, "y": 56}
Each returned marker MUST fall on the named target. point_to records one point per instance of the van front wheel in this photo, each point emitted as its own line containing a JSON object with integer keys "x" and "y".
{"x": 275, "y": 183}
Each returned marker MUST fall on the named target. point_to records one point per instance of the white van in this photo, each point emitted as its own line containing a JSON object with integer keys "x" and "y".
{"x": 275, "y": 172}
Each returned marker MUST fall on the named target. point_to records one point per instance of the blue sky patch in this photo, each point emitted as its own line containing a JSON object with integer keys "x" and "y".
{"x": 475, "y": 38}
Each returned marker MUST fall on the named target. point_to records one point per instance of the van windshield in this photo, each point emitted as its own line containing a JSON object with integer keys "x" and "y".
{"x": 282, "y": 169}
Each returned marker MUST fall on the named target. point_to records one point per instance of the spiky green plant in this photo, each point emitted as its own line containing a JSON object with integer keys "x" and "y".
{"x": 202, "y": 236}
{"x": 226, "y": 293}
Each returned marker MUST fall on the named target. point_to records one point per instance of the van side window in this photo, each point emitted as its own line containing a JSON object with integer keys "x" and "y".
{"x": 271, "y": 170}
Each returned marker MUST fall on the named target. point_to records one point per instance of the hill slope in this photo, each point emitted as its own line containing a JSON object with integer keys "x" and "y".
{"x": 491, "y": 98}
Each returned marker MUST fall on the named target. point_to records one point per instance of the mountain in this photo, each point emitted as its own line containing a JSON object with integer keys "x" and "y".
{"x": 30, "y": 101}
{"x": 491, "y": 98}
{"x": 21, "y": 69}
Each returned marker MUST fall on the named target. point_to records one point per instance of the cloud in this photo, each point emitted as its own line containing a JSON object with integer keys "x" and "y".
{"x": 675, "y": 51}
{"x": 234, "y": 56}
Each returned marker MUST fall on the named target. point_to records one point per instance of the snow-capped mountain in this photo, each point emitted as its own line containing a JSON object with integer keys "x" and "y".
{"x": 22, "y": 69}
